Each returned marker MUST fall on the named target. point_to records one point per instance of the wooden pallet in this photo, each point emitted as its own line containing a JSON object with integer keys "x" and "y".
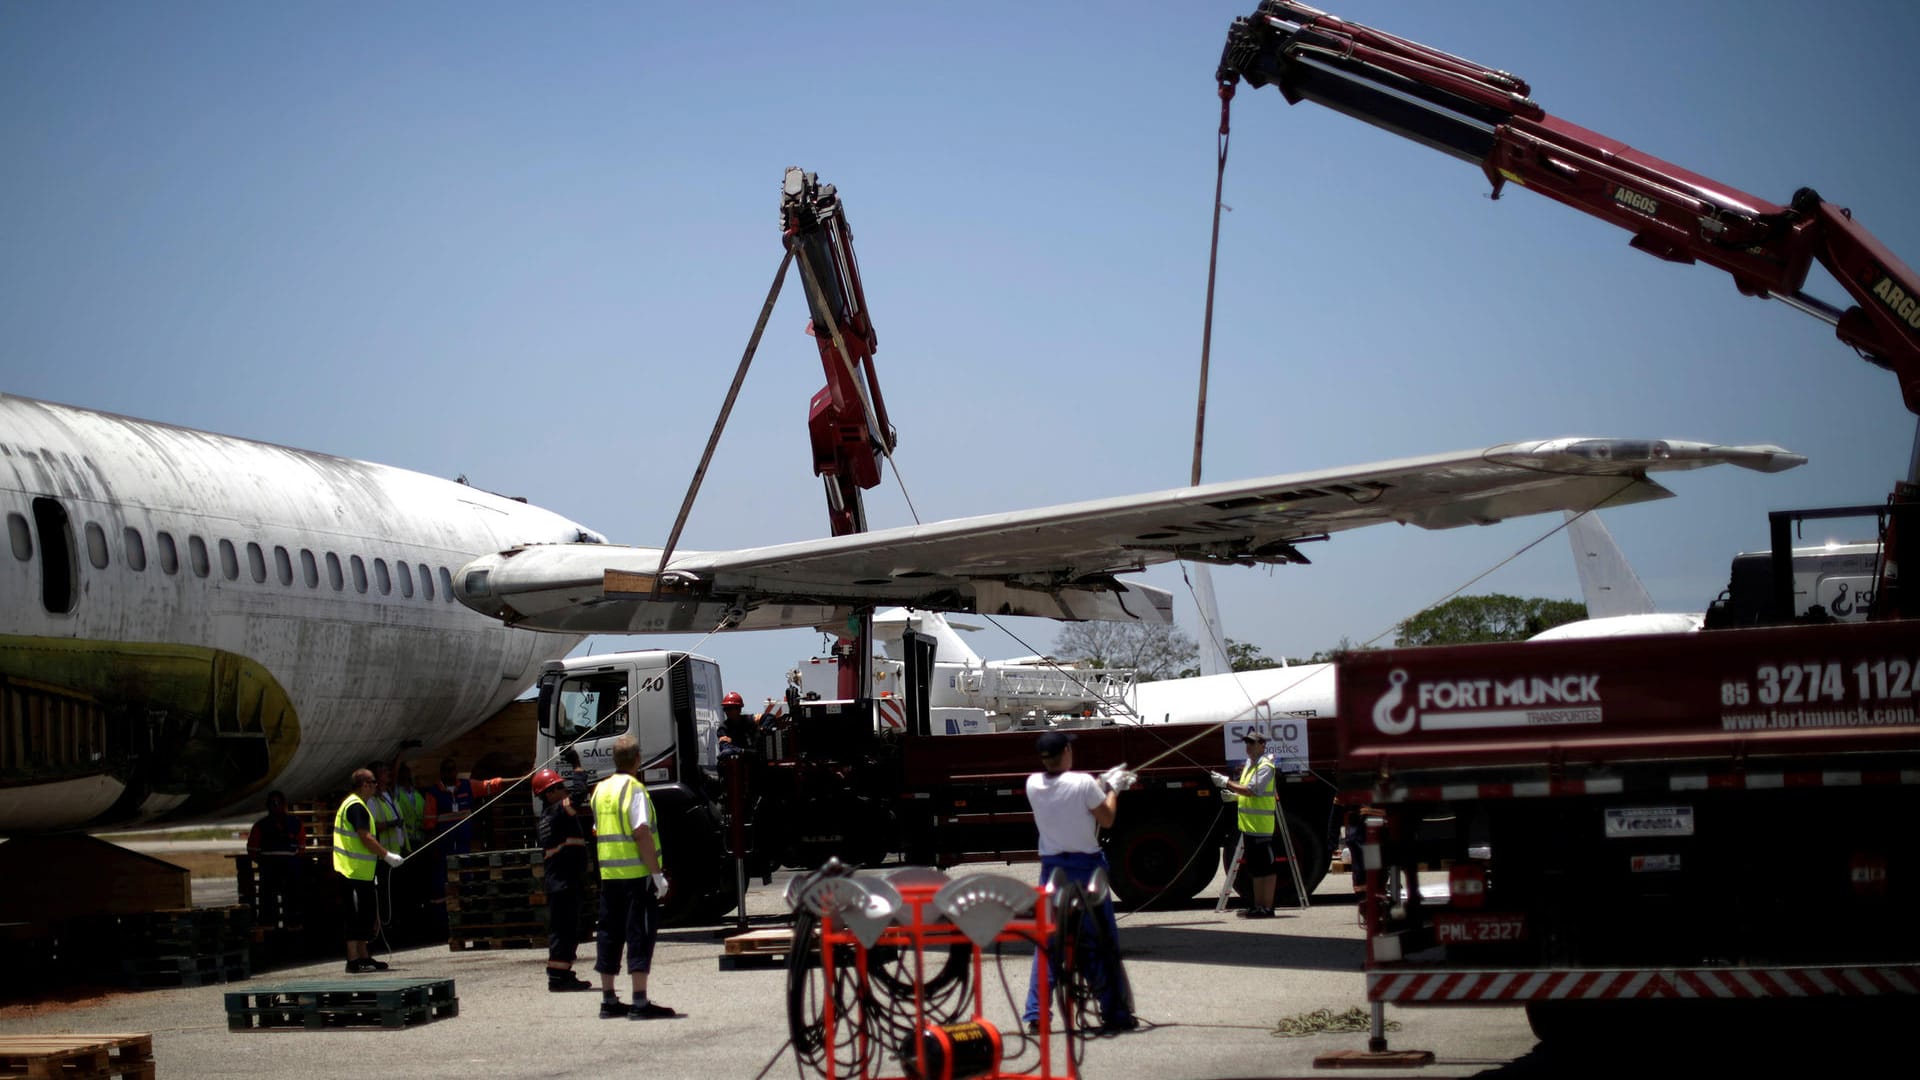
{"x": 200, "y": 969}
{"x": 76, "y": 1057}
{"x": 463, "y": 944}
{"x": 319, "y": 1004}
{"x": 756, "y": 948}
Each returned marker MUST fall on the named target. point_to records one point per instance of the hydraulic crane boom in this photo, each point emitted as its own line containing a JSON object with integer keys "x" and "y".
{"x": 1487, "y": 117}
{"x": 847, "y": 419}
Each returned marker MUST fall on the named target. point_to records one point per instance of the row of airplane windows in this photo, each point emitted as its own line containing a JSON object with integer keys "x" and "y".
{"x": 133, "y": 551}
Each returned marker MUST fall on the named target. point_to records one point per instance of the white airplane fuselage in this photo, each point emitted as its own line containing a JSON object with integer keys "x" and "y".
{"x": 188, "y": 620}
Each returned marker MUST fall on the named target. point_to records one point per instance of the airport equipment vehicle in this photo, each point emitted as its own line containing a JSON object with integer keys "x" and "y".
{"x": 833, "y": 782}
{"x": 1715, "y": 816}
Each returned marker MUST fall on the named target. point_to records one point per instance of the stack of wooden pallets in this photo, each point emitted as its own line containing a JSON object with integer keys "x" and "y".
{"x": 190, "y": 947}
{"x": 495, "y": 900}
{"x": 319, "y": 1004}
{"x": 77, "y": 1057}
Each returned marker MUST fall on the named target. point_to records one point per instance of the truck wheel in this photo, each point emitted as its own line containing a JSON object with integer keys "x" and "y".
{"x": 1307, "y": 845}
{"x": 1152, "y": 857}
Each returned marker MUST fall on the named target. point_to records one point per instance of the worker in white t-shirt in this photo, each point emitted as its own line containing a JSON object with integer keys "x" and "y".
{"x": 1070, "y": 809}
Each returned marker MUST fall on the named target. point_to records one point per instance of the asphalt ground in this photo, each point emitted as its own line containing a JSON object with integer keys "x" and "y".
{"x": 1211, "y": 989}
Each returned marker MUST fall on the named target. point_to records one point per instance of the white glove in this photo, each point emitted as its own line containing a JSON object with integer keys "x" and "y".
{"x": 1118, "y": 778}
{"x": 393, "y": 860}
{"x": 1219, "y": 779}
{"x": 659, "y": 883}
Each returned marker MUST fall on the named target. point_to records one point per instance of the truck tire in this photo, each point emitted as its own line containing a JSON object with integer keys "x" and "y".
{"x": 1308, "y": 844}
{"x": 1158, "y": 856}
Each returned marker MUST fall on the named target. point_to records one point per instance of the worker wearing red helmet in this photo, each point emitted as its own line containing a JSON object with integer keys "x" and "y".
{"x": 737, "y": 730}
{"x": 563, "y": 843}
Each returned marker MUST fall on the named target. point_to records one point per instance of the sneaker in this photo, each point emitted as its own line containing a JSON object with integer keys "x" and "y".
{"x": 652, "y": 1010}
{"x": 613, "y": 1010}
{"x": 375, "y": 965}
{"x": 571, "y": 983}
{"x": 1033, "y": 1027}
{"x": 355, "y": 967}
{"x": 1125, "y": 1023}
{"x": 1257, "y": 913}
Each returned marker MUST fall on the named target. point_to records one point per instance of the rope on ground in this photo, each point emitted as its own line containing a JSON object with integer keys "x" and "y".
{"x": 1325, "y": 1022}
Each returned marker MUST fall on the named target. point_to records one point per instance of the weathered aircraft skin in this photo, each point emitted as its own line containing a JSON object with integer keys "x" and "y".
{"x": 189, "y": 619}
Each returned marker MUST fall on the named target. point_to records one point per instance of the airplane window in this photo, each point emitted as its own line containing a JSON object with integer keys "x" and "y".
{"x": 380, "y": 578}
{"x": 229, "y": 560}
{"x": 21, "y": 535}
{"x": 169, "y": 555}
{"x": 197, "y": 556}
{"x": 446, "y": 584}
{"x": 426, "y": 581}
{"x": 405, "y": 573}
{"x": 359, "y": 573}
{"x": 256, "y": 562}
{"x": 96, "y": 546}
{"x": 309, "y": 570}
{"x": 334, "y": 576}
{"x": 134, "y": 548}
{"x": 283, "y": 564}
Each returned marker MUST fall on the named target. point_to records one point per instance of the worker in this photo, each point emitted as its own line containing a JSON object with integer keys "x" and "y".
{"x": 275, "y": 844}
{"x": 1255, "y": 789}
{"x": 410, "y": 882}
{"x": 1070, "y": 809}
{"x": 392, "y": 831}
{"x": 563, "y": 860}
{"x": 449, "y": 827}
{"x": 737, "y": 730}
{"x": 632, "y": 882}
{"x": 356, "y": 851}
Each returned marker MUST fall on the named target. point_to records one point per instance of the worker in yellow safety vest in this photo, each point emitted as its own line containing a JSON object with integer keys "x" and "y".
{"x": 1255, "y": 789}
{"x": 356, "y": 853}
{"x": 632, "y": 883}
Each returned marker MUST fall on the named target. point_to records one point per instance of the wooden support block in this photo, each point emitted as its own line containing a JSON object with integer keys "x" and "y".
{"x": 1371, "y": 1059}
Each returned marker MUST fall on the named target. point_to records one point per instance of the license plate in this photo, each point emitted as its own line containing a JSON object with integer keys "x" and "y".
{"x": 1626, "y": 821}
{"x": 1454, "y": 928}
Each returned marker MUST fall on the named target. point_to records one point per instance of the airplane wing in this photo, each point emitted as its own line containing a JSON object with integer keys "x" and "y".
{"x": 1063, "y": 562}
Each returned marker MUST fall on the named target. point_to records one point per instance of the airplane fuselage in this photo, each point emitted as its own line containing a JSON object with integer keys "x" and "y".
{"x": 190, "y": 619}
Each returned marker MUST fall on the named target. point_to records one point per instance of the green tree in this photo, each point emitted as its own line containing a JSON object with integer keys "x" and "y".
{"x": 1152, "y": 650}
{"x": 1465, "y": 620}
{"x": 1241, "y": 656}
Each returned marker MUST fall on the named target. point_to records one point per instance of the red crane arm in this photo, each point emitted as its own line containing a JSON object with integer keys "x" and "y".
{"x": 847, "y": 419}
{"x": 1486, "y": 117}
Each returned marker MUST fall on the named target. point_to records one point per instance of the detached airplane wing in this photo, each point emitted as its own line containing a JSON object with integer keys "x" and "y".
{"x": 1063, "y": 562}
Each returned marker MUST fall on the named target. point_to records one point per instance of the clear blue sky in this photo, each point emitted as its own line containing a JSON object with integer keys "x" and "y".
{"x": 527, "y": 244}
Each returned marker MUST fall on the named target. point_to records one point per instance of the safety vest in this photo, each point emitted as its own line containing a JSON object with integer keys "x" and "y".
{"x": 388, "y": 824}
{"x": 352, "y": 858}
{"x": 619, "y": 855}
{"x": 1256, "y": 811}
{"x": 413, "y": 815}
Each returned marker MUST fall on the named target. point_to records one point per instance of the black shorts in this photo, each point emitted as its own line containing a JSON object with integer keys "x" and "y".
{"x": 1258, "y": 855}
{"x": 359, "y": 911}
{"x": 629, "y": 917}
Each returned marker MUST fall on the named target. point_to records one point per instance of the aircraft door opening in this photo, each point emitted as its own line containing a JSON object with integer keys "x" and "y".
{"x": 50, "y": 521}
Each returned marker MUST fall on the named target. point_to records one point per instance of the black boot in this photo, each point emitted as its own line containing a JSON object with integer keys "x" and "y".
{"x": 562, "y": 981}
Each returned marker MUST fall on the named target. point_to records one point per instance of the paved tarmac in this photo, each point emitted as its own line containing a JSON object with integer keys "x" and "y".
{"x": 1210, "y": 989}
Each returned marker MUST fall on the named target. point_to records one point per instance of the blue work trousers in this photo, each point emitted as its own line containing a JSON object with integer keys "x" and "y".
{"x": 1103, "y": 964}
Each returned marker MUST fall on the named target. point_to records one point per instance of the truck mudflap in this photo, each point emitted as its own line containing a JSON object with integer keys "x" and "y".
{"x": 1461, "y": 986}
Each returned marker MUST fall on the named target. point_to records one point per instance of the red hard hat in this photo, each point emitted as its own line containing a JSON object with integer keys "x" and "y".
{"x": 732, "y": 699}
{"x": 543, "y": 780}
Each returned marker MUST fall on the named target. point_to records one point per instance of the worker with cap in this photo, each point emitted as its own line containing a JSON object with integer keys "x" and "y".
{"x": 563, "y": 851}
{"x": 1070, "y": 809}
{"x": 1258, "y": 806}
